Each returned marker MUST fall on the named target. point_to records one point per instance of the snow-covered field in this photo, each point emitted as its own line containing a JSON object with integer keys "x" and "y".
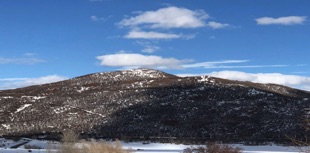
{"x": 138, "y": 147}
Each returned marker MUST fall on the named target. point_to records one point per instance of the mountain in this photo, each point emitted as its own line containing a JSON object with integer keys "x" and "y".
{"x": 144, "y": 103}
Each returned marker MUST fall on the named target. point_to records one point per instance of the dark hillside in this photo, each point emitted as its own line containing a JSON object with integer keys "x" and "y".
{"x": 151, "y": 104}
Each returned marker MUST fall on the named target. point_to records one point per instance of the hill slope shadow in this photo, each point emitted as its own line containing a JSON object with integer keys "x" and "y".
{"x": 209, "y": 113}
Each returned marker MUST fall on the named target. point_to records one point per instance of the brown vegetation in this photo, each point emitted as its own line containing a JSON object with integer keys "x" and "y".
{"x": 103, "y": 147}
{"x": 70, "y": 144}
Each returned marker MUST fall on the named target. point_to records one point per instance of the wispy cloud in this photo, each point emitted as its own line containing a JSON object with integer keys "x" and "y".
{"x": 139, "y": 60}
{"x": 148, "y": 46}
{"x": 217, "y": 25}
{"x": 288, "y": 20}
{"x": 213, "y": 64}
{"x": 150, "y": 49}
{"x": 29, "y": 54}
{"x": 169, "y": 17}
{"x": 137, "y": 34}
{"x": 242, "y": 66}
{"x": 97, "y": 19}
{"x": 11, "y": 83}
{"x": 228, "y": 64}
{"x": 27, "y": 59}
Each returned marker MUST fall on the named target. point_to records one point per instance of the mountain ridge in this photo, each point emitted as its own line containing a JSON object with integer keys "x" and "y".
{"x": 145, "y": 102}
{"x": 236, "y": 82}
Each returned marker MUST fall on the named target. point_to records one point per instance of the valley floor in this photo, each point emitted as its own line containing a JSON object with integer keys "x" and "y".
{"x": 9, "y": 146}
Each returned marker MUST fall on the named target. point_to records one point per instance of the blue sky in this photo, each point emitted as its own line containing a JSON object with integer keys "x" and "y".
{"x": 263, "y": 41}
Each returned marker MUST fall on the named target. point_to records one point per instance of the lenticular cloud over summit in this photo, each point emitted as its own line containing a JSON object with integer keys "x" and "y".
{"x": 139, "y": 60}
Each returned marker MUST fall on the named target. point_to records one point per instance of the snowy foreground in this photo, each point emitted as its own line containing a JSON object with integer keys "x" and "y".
{"x": 9, "y": 146}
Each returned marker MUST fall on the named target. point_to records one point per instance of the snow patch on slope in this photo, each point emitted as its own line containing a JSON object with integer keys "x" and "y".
{"x": 22, "y": 108}
{"x": 144, "y": 73}
{"x": 255, "y": 92}
{"x": 62, "y": 109}
{"x": 7, "y": 126}
{"x": 82, "y": 89}
{"x": 34, "y": 98}
{"x": 90, "y": 112}
{"x": 206, "y": 79}
{"x": 6, "y": 97}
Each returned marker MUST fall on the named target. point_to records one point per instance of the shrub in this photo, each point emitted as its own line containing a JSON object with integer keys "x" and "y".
{"x": 68, "y": 140}
{"x": 213, "y": 148}
{"x": 69, "y": 145}
{"x": 103, "y": 147}
{"x": 69, "y": 137}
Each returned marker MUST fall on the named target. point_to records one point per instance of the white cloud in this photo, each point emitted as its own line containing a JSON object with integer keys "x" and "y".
{"x": 123, "y": 59}
{"x": 212, "y": 64}
{"x": 306, "y": 87}
{"x": 217, "y": 25}
{"x": 123, "y": 51}
{"x": 21, "y": 60}
{"x": 151, "y": 24}
{"x": 11, "y": 83}
{"x": 29, "y": 54}
{"x": 289, "y": 20}
{"x": 241, "y": 66}
{"x": 139, "y": 60}
{"x": 169, "y": 17}
{"x": 150, "y": 49}
{"x": 96, "y": 19}
{"x": 223, "y": 65}
{"x": 136, "y": 34}
{"x": 295, "y": 81}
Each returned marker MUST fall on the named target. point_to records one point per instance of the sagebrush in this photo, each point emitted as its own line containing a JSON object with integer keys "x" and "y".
{"x": 70, "y": 144}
